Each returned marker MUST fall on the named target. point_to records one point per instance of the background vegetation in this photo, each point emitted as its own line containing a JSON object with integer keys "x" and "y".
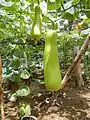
{"x": 22, "y": 55}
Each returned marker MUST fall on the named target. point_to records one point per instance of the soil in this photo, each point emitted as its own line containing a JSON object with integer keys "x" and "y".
{"x": 70, "y": 103}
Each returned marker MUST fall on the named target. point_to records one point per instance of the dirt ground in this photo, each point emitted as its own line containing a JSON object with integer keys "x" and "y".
{"x": 69, "y": 104}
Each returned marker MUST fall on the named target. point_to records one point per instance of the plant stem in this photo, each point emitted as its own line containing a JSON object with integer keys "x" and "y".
{"x": 38, "y": 2}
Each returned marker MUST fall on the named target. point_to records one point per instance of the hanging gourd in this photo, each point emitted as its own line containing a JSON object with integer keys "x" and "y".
{"x": 37, "y": 24}
{"x": 51, "y": 64}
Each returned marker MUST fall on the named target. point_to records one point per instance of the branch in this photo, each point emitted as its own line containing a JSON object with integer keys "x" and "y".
{"x": 2, "y": 92}
{"x": 76, "y": 60}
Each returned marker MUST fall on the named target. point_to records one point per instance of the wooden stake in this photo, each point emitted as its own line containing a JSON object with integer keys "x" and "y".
{"x": 75, "y": 62}
{"x": 2, "y": 91}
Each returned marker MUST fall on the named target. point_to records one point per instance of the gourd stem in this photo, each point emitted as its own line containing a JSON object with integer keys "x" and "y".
{"x": 53, "y": 94}
{"x": 53, "y": 24}
{"x": 38, "y": 2}
{"x": 54, "y": 98}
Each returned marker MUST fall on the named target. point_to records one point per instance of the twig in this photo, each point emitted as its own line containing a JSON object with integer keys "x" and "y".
{"x": 75, "y": 62}
{"x": 2, "y": 92}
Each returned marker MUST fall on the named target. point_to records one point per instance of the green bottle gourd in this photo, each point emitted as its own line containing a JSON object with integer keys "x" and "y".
{"x": 37, "y": 24}
{"x": 51, "y": 64}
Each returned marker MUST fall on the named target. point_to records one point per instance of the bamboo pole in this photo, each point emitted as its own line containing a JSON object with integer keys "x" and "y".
{"x": 75, "y": 62}
{"x": 2, "y": 91}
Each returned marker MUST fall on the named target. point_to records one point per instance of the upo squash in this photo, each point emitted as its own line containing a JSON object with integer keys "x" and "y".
{"x": 51, "y": 64}
{"x": 37, "y": 24}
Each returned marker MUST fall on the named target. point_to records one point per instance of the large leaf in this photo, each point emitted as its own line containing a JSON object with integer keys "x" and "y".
{"x": 68, "y": 16}
{"x": 36, "y": 1}
{"x": 75, "y": 2}
{"x": 87, "y": 6}
{"x": 25, "y": 74}
{"x": 54, "y": 4}
{"x": 18, "y": 50}
{"x": 23, "y": 91}
{"x": 29, "y": 1}
{"x": 24, "y": 109}
{"x": 15, "y": 62}
{"x": 15, "y": 77}
{"x": 88, "y": 14}
{"x": 11, "y": 9}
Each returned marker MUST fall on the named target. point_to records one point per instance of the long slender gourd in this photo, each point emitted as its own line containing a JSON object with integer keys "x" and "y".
{"x": 37, "y": 24}
{"x": 51, "y": 64}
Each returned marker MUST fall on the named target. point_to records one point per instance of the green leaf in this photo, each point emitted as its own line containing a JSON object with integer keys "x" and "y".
{"x": 45, "y": 19}
{"x": 18, "y": 51}
{"x": 86, "y": 21}
{"x": 24, "y": 109}
{"x": 25, "y": 74}
{"x": 12, "y": 0}
{"x": 23, "y": 91}
{"x": 12, "y": 8}
{"x": 87, "y": 8}
{"x": 12, "y": 97}
{"x": 54, "y": 4}
{"x": 87, "y": 4}
{"x": 68, "y": 16}
{"x": 87, "y": 13}
{"x": 75, "y": 2}
{"x": 15, "y": 62}
{"x": 29, "y": 1}
{"x": 28, "y": 110}
{"x": 36, "y": 1}
{"x": 15, "y": 77}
